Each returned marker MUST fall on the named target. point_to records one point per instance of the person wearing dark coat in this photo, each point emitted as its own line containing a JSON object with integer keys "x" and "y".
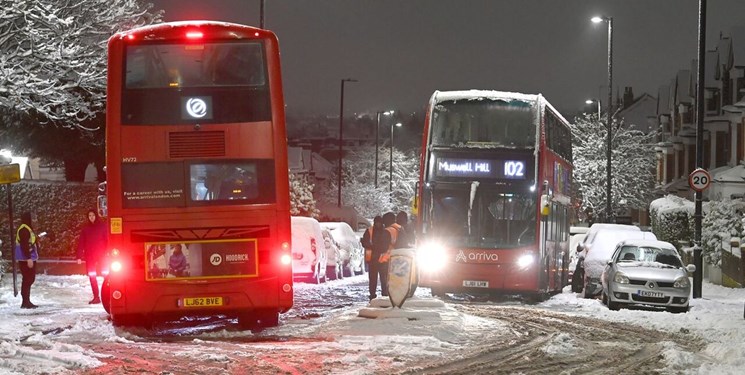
{"x": 26, "y": 253}
{"x": 378, "y": 240}
{"x": 92, "y": 249}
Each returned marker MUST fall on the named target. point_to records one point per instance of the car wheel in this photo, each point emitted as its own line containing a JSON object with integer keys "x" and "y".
{"x": 678, "y": 310}
{"x": 437, "y": 292}
{"x": 586, "y": 291}
{"x": 604, "y": 299}
{"x": 615, "y": 306}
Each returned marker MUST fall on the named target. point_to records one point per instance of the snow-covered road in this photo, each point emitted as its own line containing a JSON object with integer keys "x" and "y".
{"x": 326, "y": 333}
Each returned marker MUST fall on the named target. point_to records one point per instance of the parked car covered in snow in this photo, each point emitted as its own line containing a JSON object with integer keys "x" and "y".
{"x": 309, "y": 255}
{"x": 350, "y": 247}
{"x": 646, "y": 272}
{"x": 598, "y": 252}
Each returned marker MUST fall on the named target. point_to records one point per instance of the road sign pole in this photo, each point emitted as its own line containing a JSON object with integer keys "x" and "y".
{"x": 12, "y": 240}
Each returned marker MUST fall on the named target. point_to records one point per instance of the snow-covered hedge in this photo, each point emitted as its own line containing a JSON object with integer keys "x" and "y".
{"x": 672, "y": 220}
{"x": 60, "y": 209}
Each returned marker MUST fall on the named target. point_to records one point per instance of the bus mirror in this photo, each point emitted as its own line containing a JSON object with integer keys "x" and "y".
{"x": 545, "y": 210}
{"x": 102, "y": 205}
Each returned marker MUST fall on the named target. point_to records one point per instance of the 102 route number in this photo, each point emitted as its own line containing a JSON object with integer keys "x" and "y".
{"x": 699, "y": 179}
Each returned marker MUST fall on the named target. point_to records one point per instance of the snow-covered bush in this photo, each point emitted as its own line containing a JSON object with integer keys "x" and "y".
{"x": 60, "y": 209}
{"x": 722, "y": 220}
{"x": 672, "y": 219}
{"x": 302, "y": 202}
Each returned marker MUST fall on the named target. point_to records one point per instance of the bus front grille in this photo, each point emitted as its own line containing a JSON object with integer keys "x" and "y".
{"x": 196, "y": 144}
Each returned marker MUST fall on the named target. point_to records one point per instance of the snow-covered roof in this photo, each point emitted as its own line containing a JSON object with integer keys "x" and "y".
{"x": 734, "y": 174}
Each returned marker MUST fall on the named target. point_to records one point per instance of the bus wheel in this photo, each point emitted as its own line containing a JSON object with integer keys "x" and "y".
{"x": 106, "y": 295}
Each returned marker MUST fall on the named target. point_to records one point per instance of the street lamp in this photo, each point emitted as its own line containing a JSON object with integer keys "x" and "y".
{"x": 377, "y": 131}
{"x": 597, "y": 101}
{"x": 341, "y": 134}
{"x": 609, "y": 20}
{"x": 390, "y": 165}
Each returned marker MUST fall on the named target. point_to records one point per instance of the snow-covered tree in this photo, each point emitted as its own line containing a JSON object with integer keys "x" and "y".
{"x": 722, "y": 220}
{"x": 632, "y": 166}
{"x": 302, "y": 202}
{"x": 53, "y": 54}
{"x": 358, "y": 189}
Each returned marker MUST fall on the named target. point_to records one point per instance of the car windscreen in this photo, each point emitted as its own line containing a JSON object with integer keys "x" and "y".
{"x": 649, "y": 255}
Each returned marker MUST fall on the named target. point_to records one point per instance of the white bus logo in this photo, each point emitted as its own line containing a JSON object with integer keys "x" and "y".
{"x": 196, "y": 107}
{"x": 215, "y": 259}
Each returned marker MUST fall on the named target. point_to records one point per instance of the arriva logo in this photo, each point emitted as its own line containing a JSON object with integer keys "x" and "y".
{"x": 476, "y": 256}
{"x": 215, "y": 259}
{"x": 196, "y": 107}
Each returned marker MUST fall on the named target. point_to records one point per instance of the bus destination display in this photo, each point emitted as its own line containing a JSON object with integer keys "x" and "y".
{"x": 481, "y": 168}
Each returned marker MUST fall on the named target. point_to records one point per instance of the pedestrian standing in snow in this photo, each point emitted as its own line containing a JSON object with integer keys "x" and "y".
{"x": 92, "y": 249}
{"x": 27, "y": 253}
{"x": 378, "y": 240}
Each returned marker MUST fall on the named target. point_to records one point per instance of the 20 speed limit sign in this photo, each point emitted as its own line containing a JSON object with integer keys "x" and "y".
{"x": 699, "y": 179}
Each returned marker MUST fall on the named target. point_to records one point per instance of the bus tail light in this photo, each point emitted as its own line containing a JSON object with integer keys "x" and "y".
{"x": 431, "y": 257}
{"x": 116, "y": 295}
{"x": 194, "y": 35}
{"x": 286, "y": 259}
{"x": 287, "y": 288}
{"x": 116, "y": 266}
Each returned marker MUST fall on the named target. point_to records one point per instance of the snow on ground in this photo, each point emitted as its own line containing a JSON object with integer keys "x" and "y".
{"x": 48, "y": 339}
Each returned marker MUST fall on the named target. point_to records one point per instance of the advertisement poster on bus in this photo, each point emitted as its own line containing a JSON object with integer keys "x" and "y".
{"x": 168, "y": 260}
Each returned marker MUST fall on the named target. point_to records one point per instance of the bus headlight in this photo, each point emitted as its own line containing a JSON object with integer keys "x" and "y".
{"x": 116, "y": 266}
{"x": 525, "y": 260}
{"x": 431, "y": 257}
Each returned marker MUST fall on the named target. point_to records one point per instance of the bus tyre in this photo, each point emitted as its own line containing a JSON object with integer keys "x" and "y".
{"x": 106, "y": 295}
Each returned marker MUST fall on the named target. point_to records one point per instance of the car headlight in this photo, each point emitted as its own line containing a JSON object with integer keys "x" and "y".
{"x": 682, "y": 282}
{"x": 525, "y": 260}
{"x": 620, "y": 278}
{"x": 431, "y": 257}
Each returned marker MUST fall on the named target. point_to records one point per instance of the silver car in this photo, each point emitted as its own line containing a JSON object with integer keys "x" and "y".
{"x": 646, "y": 272}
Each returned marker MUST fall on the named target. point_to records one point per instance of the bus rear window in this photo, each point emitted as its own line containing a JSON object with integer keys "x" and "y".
{"x": 194, "y": 65}
{"x": 184, "y": 184}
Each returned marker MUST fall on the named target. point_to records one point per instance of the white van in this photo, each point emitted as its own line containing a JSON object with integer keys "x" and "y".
{"x": 309, "y": 255}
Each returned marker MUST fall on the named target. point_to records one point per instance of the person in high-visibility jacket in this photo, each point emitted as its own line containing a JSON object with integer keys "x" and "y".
{"x": 27, "y": 253}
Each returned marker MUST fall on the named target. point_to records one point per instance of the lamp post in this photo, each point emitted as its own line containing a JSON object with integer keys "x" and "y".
{"x": 597, "y": 101}
{"x": 341, "y": 134}
{"x": 390, "y": 164}
{"x": 377, "y": 138}
{"x": 609, "y": 20}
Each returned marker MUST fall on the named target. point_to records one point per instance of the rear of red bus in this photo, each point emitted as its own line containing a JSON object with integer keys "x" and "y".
{"x": 479, "y": 221}
{"x": 197, "y": 175}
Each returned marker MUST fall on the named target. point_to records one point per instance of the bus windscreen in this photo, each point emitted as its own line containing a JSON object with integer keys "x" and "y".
{"x": 484, "y": 123}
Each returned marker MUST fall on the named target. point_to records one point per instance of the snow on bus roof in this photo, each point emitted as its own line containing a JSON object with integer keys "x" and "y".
{"x": 474, "y": 94}
{"x": 440, "y": 96}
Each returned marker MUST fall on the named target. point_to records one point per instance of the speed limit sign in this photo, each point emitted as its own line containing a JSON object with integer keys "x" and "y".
{"x": 699, "y": 179}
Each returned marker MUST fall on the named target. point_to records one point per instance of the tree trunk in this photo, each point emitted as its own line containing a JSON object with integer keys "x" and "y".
{"x": 75, "y": 170}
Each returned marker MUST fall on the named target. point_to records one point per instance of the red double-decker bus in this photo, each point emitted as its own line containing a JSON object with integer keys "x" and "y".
{"x": 197, "y": 175}
{"x": 493, "y": 202}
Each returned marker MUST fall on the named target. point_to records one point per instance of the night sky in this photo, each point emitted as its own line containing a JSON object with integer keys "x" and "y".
{"x": 403, "y": 50}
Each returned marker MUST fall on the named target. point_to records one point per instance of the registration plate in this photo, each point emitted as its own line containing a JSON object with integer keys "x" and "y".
{"x": 202, "y": 302}
{"x": 476, "y": 283}
{"x": 645, "y": 293}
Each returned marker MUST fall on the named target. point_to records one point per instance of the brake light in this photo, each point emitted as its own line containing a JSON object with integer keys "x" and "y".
{"x": 194, "y": 35}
